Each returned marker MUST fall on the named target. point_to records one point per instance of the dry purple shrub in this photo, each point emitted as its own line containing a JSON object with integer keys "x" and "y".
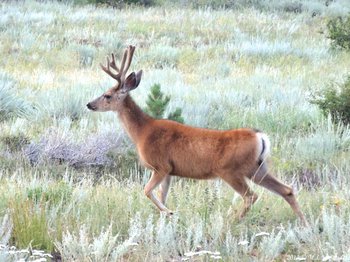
{"x": 61, "y": 147}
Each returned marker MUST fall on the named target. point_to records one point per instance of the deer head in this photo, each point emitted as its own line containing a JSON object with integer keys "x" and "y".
{"x": 113, "y": 97}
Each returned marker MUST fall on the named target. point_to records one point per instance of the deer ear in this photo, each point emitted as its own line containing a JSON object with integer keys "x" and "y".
{"x": 132, "y": 81}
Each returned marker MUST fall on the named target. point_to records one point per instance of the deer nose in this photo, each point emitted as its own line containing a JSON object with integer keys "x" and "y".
{"x": 90, "y": 106}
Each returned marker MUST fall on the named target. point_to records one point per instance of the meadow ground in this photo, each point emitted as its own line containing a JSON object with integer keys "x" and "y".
{"x": 70, "y": 182}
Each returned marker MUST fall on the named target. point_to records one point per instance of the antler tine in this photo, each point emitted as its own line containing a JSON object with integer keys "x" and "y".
{"x": 124, "y": 67}
{"x": 108, "y": 70}
{"x": 121, "y": 71}
{"x": 112, "y": 64}
{"x": 131, "y": 50}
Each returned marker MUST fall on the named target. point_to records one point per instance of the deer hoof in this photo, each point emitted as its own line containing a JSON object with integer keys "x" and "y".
{"x": 240, "y": 217}
{"x": 169, "y": 213}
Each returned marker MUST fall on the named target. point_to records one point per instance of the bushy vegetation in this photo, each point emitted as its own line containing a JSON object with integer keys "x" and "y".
{"x": 335, "y": 101}
{"x": 313, "y": 7}
{"x": 118, "y": 3}
{"x": 62, "y": 104}
{"x": 339, "y": 32}
{"x": 112, "y": 220}
{"x": 69, "y": 183}
{"x": 11, "y": 105}
{"x": 14, "y": 142}
{"x": 61, "y": 148}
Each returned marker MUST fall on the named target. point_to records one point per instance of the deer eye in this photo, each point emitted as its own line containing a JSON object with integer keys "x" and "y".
{"x": 107, "y": 96}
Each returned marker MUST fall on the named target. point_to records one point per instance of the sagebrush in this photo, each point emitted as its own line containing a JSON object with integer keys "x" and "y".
{"x": 335, "y": 101}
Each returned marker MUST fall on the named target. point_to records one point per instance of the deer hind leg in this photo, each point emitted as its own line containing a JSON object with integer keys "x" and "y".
{"x": 164, "y": 189}
{"x": 155, "y": 180}
{"x": 239, "y": 184}
{"x": 263, "y": 178}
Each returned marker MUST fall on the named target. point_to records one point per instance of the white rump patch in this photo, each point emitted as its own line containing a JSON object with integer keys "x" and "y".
{"x": 264, "y": 146}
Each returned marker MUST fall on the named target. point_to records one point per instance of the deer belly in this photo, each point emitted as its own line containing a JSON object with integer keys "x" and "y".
{"x": 186, "y": 162}
{"x": 192, "y": 168}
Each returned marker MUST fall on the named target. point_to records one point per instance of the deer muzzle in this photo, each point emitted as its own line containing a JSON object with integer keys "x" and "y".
{"x": 91, "y": 107}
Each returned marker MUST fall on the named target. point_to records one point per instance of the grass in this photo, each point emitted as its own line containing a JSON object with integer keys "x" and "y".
{"x": 69, "y": 181}
{"x": 114, "y": 217}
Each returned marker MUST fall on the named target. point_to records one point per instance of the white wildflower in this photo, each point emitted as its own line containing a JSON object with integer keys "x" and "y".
{"x": 326, "y": 258}
{"x": 262, "y": 234}
{"x": 243, "y": 243}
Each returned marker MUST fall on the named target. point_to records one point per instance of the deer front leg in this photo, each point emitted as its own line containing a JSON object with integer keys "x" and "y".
{"x": 155, "y": 180}
{"x": 164, "y": 188}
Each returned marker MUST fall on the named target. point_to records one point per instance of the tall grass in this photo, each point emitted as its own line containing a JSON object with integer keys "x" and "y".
{"x": 112, "y": 220}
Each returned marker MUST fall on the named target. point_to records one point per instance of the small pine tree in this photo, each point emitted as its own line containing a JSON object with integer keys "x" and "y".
{"x": 157, "y": 103}
{"x": 176, "y": 115}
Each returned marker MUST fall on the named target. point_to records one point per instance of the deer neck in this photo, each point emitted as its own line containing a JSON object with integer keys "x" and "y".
{"x": 133, "y": 118}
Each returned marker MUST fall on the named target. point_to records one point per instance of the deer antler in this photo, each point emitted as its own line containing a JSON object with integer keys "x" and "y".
{"x": 121, "y": 72}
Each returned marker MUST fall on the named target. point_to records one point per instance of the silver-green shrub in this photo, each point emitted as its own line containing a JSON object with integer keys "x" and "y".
{"x": 11, "y": 105}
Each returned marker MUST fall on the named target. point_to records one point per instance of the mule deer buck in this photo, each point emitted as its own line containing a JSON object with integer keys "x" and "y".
{"x": 171, "y": 149}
